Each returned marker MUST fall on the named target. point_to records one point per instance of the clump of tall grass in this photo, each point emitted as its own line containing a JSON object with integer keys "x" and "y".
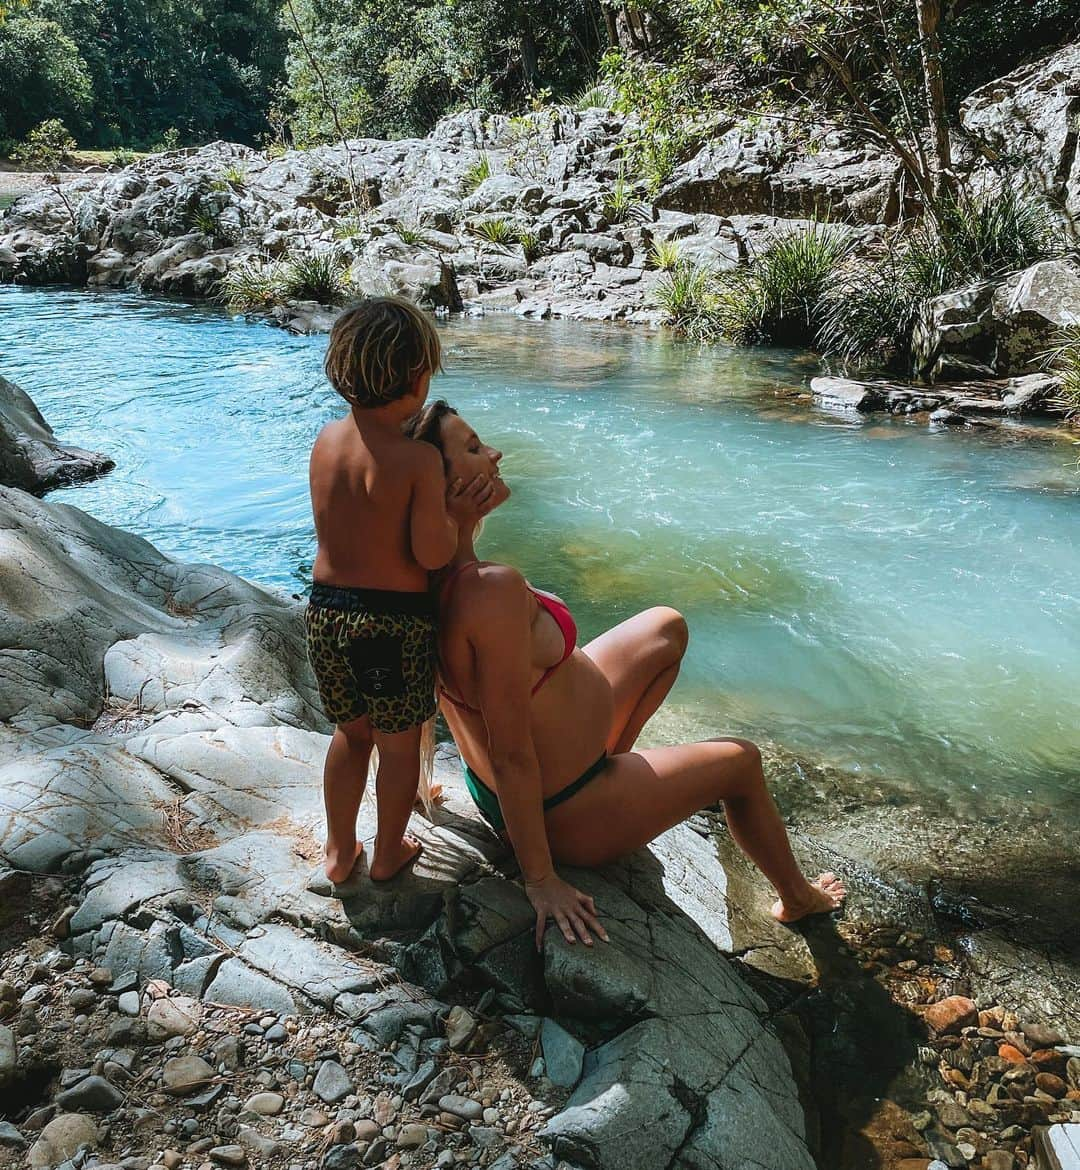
{"x": 1063, "y": 359}
{"x": 688, "y": 294}
{"x": 621, "y": 203}
{"x": 869, "y": 312}
{"x": 530, "y": 244}
{"x": 495, "y": 230}
{"x": 476, "y": 174}
{"x": 315, "y": 276}
{"x": 664, "y": 255}
{"x": 592, "y": 96}
{"x": 251, "y": 286}
{"x": 409, "y": 233}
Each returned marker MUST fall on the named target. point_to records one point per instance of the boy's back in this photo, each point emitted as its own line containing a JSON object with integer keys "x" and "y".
{"x": 363, "y": 480}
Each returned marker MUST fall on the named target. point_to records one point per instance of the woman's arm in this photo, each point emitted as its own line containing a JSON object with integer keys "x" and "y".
{"x": 501, "y": 640}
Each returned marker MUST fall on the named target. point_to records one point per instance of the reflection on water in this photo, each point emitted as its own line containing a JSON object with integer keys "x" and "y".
{"x": 897, "y": 600}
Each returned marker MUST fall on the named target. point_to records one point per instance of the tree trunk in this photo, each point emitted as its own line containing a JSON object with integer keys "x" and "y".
{"x": 929, "y": 16}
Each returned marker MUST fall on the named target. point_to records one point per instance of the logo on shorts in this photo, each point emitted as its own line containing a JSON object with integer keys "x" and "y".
{"x": 377, "y": 677}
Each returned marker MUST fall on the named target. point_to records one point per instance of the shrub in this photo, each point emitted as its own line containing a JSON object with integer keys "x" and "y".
{"x": 869, "y": 313}
{"x": 776, "y": 299}
{"x": 664, "y": 255}
{"x": 48, "y": 145}
{"x": 235, "y": 175}
{"x": 1064, "y": 360}
{"x": 530, "y": 244}
{"x": 123, "y": 158}
{"x": 315, "y": 276}
{"x": 621, "y": 203}
{"x": 410, "y": 233}
{"x": 688, "y": 296}
{"x": 497, "y": 231}
{"x": 251, "y": 286}
{"x": 476, "y": 174}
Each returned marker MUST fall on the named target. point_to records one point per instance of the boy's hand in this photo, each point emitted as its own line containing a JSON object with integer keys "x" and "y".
{"x": 468, "y": 503}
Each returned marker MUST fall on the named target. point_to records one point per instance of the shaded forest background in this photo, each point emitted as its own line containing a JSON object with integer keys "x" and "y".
{"x": 140, "y": 74}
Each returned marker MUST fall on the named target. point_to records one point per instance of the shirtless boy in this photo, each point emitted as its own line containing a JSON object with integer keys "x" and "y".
{"x": 383, "y": 521}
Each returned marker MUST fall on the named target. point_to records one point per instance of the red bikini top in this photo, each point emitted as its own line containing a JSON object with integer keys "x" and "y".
{"x": 547, "y": 601}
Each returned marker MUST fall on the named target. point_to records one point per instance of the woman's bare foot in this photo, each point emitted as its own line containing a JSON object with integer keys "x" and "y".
{"x": 823, "y": 895}
{"x": 340, "y": 862}
{"x": 389, "y": 861}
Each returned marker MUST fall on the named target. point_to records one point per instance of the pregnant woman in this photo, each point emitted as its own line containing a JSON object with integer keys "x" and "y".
{"x": 547, "y": 729}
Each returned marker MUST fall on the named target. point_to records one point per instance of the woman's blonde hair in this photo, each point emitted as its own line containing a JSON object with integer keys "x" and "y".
{"x": 379, "y": 348}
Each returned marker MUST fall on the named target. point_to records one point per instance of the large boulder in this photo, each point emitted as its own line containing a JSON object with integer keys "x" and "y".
{"x": 1004, "y": 324}
{"x": 31, "y": 458}
{"x": 1027, "y": 120}
{"x": 755, "y": 171}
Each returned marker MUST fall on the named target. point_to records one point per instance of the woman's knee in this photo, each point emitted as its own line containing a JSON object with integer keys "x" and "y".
{"x": 743, "y": 772}
{"x": 672, "y": 627}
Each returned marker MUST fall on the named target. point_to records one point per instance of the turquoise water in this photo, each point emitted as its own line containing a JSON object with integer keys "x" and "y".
{"x": 892, "y": 599}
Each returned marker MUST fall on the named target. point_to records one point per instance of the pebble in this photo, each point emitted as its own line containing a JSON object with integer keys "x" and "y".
{"x": 1042, "y": 1036}
{"x": 412, "y": 1136}
{"x": 10, "y": 1136}
{"x": 184, "y": 1074}
{"x": 332, "y": 1083}
{"x": 229, "y": 1155}
{"x": 463, "y": 1107}
{"x": 366, "y": 1129}
{"x": 460, "y": 1027}
{"x": 491, "y": 1116}
{"x": 951, "y": 1014}
{"x": 276, "y": 1033}
{"x": 92, "y": 1094}
{"x": 128, "y": 1003}
{"x": 170, "y": 1159}
{"x": 82, "y": 998}
{"x": 265, "y": 1104}
{"x": 172, "y": 1016}
{"x": 1051, "y": 1084}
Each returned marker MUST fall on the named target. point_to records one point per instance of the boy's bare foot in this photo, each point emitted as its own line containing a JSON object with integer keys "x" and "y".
{"x": 823, "y": 895}
{"x": 341, "y": 862}
{"x": 389, "y": 861}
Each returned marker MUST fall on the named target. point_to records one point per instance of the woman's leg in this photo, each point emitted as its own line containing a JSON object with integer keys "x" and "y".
{"x": 641, "y": 794}
{"x": 640, "y": 658}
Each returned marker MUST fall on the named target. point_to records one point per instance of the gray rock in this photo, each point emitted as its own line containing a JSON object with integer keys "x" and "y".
{"x": 463, "y": 1107}
{"x": 266, "y": 1104}
{"x": 128, "y": 1003}
{"x": 563, "y": 1054}
{"x": 93, "y": 1094}
{"x": 419, "y": 1081}
{"x": 9, "y": 1054}
{"x": 31, "y": 458}
{"x": 341, "y": 1158}
{"x": 229, "y": 1155}
{"x": 10, "y": 1136}
{"x": 62, "y": 1138}
{"x": 332, "y": 1082}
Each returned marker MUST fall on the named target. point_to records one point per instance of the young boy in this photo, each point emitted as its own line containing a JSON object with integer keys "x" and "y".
{"x": 381, "y": 519}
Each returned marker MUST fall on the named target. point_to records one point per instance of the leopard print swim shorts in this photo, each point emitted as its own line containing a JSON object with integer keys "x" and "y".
{"x": 373, "y": 653}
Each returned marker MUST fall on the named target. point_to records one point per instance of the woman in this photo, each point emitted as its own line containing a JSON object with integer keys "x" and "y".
{"x": 546, "y": 729}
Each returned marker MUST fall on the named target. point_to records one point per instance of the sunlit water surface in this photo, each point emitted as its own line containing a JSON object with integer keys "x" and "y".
{"x": 890, "y": 598}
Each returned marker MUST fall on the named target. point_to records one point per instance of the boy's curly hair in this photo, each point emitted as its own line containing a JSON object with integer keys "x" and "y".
{"x": 379, "y": 348}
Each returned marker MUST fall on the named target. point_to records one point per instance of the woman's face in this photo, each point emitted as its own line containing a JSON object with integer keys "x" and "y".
{"x": 467, "y": 457}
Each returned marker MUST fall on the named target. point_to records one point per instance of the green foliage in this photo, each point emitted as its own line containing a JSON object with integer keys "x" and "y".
{"x": 349, "y": 227}
{"x": 120, "y": 72}
{"x": 315, "y": 276}
{"x": 48, "y": 145}
{"x": 869, "y": 313}
{"x": 531, "y": 141}
{"x": 599, "y": 95}
{"x": 122, "y": 158}
{"x": 688, "y": 294}
{"x": 410, "y": 233}
{"x": 395, "y": 66}
{"x": 664, "y": 255}
{"x": 251, "y": 287}
{"x": 476, "y": 174}
{"x": 204, "y": 219}
{"x": 495, "y": 230}
{"x": 671, "y": 108}
{"x": 1063, "y": 358}
{"x": 235, "y": 175}
{"x": 620, "y": 202}
{"x": 531, "y": 247}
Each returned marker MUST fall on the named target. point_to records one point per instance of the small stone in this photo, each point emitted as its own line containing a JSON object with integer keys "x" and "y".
{"x": 128, "y": 1003}
{"x": 229, "y": 1155}
{"x": 967, "y": 1151}
{"x": 1051, "y": 1084}
{"x": 419, "y": 1081}
{"x": 366, "y": 1129}
{"x": 563, "y": 1054}
{"x": 460, "y": 1027}
{"x": 438, "y": 1087}
{"x": 484, "y": 1136}
{"x": 257, "y": 1143}
{"x": 999, "y": 1160}
{"x": 1011, "y": 1054}
{"x": 170, "y": 1159}
{"x": 341, "y": 1158}
{"x": 184, "y": 1074}
{"x": 82, "y": 998}
{"x": 384, "y": 1109}
{"x": 411, "y": 1136}
{"x": 332, "y": 1083}
{"x": 275, "y": 1034}
{"x": 91, "y": 1094}
{"x": 1041, "y": 1036}
{"x": 10, "y": 1136}
{"x": 951, "y": 1014}
{"x": 61, "y": 1139}
{"x": 463, "y": 1107}
{"x": 265, "y": 1104}
{"x": 491, "y": 1116}
{"x": 172, "y": 1016}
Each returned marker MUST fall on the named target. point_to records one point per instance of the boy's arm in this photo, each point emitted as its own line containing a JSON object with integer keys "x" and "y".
{"x": 432, "y": 533}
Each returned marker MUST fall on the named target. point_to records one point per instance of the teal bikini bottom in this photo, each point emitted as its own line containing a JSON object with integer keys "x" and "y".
{"x": 488, "y": 803}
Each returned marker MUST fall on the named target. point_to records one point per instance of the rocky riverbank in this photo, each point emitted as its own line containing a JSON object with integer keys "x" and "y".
{"x": 535, "y": 215}
{"x": 181, "y": 987}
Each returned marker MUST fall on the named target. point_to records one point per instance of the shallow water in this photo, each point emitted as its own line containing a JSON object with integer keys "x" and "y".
{"x": 893, "y": 599}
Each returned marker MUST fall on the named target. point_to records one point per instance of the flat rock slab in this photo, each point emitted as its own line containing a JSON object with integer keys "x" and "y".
{"x": 990, "y": 396}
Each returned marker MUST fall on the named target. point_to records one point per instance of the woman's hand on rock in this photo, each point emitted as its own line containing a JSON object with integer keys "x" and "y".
{"x": 466, "y": 503}
{"x": 573, "y": 911}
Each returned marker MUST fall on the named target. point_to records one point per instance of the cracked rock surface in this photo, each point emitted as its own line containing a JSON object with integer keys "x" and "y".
{"x": 161, "y": 753}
